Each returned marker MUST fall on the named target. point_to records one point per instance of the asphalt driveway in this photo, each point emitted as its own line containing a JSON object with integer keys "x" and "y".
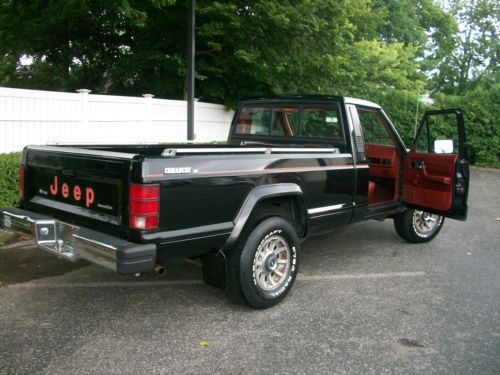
{"x": 365, "y": 302}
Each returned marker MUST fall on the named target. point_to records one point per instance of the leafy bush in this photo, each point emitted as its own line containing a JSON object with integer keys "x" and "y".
{"x": 9, "y": 166}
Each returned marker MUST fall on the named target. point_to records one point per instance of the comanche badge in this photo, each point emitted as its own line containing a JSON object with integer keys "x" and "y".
{"x": 179, "y": 170}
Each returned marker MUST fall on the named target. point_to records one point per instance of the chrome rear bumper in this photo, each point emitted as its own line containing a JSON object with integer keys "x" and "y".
{"x": 74, "y": 243}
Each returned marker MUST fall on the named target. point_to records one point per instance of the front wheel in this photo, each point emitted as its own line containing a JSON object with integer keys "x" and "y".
{"x": 418, "y": 226}
{"x": 264, "y": 265}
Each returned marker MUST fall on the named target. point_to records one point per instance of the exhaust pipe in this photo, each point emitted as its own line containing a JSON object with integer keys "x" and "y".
{"x": 160, "y": 270}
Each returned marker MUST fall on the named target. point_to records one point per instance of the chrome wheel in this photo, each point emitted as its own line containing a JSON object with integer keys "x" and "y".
{"x": 271, "y": 263}
{"x": 263, "y": 266}
{"x": 425, "y": 223}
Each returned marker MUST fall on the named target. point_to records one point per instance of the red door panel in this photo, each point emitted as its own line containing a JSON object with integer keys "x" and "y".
{"x": 383, "y": 160}
{"x": 428, "y": 180}
{"x": 435, "y": 175}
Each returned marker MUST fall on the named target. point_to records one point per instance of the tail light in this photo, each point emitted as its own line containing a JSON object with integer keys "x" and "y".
{"x": 144, "y": 206}
{"x": 21, "y": 181}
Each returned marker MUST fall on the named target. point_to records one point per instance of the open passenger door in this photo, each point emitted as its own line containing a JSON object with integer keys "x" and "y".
{"x": 436, "y": 170}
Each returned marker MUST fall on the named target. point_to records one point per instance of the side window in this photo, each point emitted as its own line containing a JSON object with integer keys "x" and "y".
{"x": 422, "y": 142}
{"x": 438, "y": 135}
{"x": 320, "y": 122}
{"x": 374, "y": 127}
{"x": 254, "y": 121}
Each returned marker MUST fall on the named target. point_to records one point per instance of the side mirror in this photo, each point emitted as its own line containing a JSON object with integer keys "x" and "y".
{"x": 443, "y": 146}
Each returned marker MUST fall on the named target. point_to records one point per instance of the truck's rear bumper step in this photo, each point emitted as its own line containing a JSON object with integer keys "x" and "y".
{"x": 73, "y": 243}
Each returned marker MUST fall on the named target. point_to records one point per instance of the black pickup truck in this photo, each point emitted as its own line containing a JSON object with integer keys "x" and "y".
{"x": 293, "y": 166}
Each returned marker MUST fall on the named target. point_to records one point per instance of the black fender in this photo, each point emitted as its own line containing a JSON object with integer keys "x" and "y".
{"x": 214, "y": 263}
{"x": 254, "y": 197}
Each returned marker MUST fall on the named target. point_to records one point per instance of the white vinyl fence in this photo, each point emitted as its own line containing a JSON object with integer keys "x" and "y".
{"x": 46, "y": 117}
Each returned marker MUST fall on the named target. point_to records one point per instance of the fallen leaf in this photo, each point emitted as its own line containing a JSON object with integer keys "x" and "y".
{"x": 204, "y": 343}
{"x": 24, "y": 238}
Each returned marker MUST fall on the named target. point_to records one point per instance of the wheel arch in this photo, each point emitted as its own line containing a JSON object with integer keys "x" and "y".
{"x": 269, "y": 200}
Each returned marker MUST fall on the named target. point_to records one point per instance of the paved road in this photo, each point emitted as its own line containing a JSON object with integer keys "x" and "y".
{"x": 365, "y": 303}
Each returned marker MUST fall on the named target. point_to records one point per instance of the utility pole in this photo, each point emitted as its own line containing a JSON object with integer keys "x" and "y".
{"x": 190, "y": 72}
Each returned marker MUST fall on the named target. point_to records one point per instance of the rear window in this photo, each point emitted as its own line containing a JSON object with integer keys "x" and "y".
{"x": 304, "y": 122}
{"x": 320, "y": 122}
{"x": 254, "y": 121}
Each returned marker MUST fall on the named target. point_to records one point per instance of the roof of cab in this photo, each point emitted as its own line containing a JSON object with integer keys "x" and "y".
{"x": 310, "y": 98}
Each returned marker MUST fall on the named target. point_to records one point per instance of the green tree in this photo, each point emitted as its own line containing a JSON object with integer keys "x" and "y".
{"x": 244, "y": 47}
{"x": 476, "y": 56}
{"x": 70, "y": 43}
{"x": 249, "y": 48}
{"x": 261, "y": 47}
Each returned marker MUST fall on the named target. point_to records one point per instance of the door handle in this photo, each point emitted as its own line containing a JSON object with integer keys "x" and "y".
{"x": 440, "y": 179}
{"x": 417, "y": 164}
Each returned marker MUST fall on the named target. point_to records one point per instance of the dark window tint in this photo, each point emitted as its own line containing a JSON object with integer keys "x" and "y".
{"x": 285, "y": 121}
{"x": 320, "y": 122}
{"x": 254, "y": 121}
{"x": 314, "y": 122}
{"x": 374, "y": 127}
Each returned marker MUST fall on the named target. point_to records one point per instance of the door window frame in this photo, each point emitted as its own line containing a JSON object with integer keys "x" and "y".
{"x": 460, "y": 128}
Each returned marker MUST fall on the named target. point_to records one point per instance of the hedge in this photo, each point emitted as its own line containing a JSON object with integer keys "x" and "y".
{"x": 481, "y": 108}
{"x": 9, "y": 169}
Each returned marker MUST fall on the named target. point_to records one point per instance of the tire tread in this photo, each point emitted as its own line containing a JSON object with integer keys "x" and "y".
{"x": 403, "y": 223}
{"x": 236, "y": 287}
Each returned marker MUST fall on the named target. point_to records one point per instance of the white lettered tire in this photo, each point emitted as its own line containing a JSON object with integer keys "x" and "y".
{"x": 264, "y": 265}
{"x": 418, "y": 226}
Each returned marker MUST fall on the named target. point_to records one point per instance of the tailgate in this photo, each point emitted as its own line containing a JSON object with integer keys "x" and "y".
{"x": 79, "y": 186}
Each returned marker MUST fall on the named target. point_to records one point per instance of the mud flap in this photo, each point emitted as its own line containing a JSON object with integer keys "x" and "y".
{"x": 214, "y": 269}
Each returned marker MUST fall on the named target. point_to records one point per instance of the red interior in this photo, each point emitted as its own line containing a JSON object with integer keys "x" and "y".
{"x": 383, "y": 163}
{"x": 431, "y": 185}
{"x": 244, "y": 125}
{"x": 286, "y": 124}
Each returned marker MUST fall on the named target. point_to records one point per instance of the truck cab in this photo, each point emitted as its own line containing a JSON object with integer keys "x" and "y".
{"x": 432, "y": 175}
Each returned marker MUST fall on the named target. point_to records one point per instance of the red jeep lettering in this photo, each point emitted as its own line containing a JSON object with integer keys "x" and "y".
{"x": 65, "y": 190}
{"x": 76, "y": 191}
{"x": 54, "y": 188}
{"x": 89, "y": 196}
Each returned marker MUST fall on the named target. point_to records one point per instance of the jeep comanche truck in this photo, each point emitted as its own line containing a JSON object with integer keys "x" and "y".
{"x": 293, "y": 166}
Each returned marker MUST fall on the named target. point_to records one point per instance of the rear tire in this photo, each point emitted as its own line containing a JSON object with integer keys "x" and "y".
{"x": 263, "y": 265}
{"x": 418, "y": 226}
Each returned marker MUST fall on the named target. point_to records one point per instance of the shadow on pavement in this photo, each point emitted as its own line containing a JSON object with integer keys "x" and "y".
{"x": 21, "y": 261}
